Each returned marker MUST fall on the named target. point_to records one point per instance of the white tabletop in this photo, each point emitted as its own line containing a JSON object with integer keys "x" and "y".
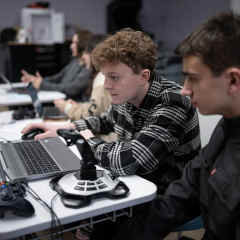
{"x": 141, "y": 191}
{"x": 16, "y": 99}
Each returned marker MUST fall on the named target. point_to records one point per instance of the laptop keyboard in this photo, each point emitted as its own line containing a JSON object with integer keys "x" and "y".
{"x": 35, "y": 158}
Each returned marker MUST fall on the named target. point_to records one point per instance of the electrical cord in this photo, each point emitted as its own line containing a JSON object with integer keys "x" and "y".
{"x": 55, "y": 221}
{"x": 56, "y": 230}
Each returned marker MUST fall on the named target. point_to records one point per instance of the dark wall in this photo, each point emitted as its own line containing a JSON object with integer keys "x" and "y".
{"x": 171, "y": 20}
{"x": 168, "y": 20}
{"x": 122, "y": 14}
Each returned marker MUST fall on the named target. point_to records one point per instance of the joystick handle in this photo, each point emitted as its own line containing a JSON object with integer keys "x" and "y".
{"x": 88, "y": 168}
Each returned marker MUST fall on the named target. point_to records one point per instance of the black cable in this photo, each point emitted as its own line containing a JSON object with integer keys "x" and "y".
{"x": 58, "y": 233}
{"x": 55, "y": 221}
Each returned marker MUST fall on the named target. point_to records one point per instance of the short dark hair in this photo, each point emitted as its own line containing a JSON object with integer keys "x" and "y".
{"x": 216, "y": 42}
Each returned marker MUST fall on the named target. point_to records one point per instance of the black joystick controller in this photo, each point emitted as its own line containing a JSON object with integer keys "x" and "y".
{"x": 12, "y": 197}
{"x": 77, "y": 189}
{"x": 88, "y": 168}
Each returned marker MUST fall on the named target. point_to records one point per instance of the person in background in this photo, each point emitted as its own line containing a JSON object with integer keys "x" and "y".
{"x": 157, "y": 127}
{"x": 73, "y": 79}
{"x": 7, "y": 35}
{"x": 210, "y": 183}
{"x": 99, "y": 100}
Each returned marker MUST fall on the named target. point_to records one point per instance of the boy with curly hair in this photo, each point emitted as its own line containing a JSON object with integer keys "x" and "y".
{"x": 157, "y": 127}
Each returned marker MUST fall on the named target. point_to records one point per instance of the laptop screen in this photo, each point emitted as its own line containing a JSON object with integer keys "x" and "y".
{"x": 35, "y": 100}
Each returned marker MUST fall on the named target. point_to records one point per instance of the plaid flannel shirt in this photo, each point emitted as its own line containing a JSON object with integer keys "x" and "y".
{"x": 155, "y": 140}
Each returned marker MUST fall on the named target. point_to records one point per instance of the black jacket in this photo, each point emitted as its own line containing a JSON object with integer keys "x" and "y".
{"x": 210, "y": 186}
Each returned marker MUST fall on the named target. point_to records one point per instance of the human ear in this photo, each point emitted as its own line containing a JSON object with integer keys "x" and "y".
{"x": 234, "y": 80}
{"x": 146, "y": 74}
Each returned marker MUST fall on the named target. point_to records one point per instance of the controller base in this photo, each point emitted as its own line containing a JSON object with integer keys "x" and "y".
{"x": 77, "y": 192}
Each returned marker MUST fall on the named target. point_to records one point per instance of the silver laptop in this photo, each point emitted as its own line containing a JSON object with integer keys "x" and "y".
{"x": 33, "y": 160}
{"x": 46, "y": 112}
{"x": 16, "y": 89}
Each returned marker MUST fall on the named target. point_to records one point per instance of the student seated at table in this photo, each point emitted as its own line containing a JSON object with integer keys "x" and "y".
{"x": 73, "y": 79}
{"x": 210, "y": 183}
{"x": 157, "y": 127}
{"x": 99, "y": 100}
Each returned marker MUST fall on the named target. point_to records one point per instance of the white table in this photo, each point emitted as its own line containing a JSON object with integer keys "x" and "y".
{"x": 141, "y": 191}
{"x": 15, "y": 99}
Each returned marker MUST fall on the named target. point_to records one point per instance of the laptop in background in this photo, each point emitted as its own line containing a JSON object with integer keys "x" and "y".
{"x": 37, "y": 105}
{"x": 32, "y": 160}
{"x": 45, "y": 112}
{"x": 53, "y": 113}
{"x": 15, "y": 89}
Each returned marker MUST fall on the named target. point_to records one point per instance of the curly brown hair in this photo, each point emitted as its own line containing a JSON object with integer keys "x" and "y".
{"x": 133, "y": 48}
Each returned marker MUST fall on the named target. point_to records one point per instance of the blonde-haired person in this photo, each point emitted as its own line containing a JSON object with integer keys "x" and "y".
{"x": 99, "y": 101}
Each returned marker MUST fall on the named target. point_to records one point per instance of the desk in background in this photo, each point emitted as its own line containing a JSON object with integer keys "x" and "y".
{"x": 100, "y": 209}
{"x": 8, "y": 99}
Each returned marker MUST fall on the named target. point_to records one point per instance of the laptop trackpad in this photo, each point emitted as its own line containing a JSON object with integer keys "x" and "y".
{"x": 65, "y": 158}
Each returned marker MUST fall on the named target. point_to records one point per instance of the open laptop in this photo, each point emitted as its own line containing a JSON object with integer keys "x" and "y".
{"x": 45, "y": 112}
{"x": 53, "y": 113}
{"x": 32, "y": 160}
{"x": 15, "y": 89}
